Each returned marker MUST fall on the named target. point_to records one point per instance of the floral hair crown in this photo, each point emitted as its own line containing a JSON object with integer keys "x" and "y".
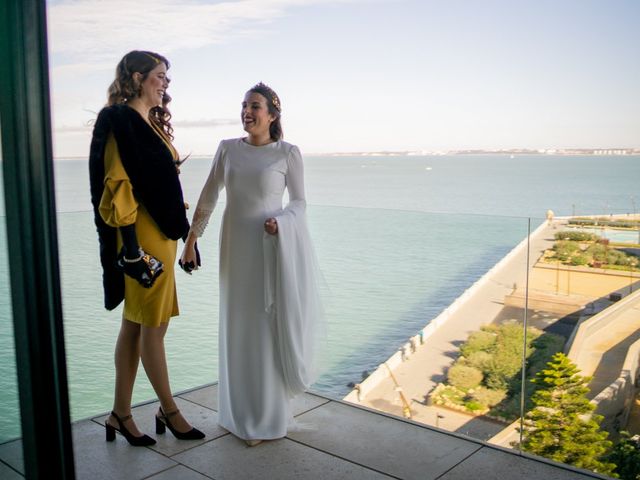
{"x": 275, "y": 101}
{"x": 152, "y": 57}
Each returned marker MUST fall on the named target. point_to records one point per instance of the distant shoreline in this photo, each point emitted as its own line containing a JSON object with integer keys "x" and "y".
{"x": 609, "y": 152}
{"x": 513, "y": 152}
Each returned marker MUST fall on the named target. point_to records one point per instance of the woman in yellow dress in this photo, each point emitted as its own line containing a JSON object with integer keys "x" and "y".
{"x": 139, "y": 215}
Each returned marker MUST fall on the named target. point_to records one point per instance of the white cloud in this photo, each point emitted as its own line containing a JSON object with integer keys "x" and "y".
{"x": 85, "y": 33}
{"x": 209, "y": 122}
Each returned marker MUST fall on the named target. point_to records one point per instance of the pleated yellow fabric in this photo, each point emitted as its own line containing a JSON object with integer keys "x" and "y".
{"x": 119, "y": 207}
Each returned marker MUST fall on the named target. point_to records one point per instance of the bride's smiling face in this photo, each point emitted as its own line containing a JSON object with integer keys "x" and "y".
{"x": 255, "y": 115}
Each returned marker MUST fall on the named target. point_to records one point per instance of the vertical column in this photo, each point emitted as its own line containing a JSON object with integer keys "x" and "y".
{"x": 31, "y": 236}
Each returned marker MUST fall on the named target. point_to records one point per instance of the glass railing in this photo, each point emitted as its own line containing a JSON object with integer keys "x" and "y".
{"x": 426, "y": 320}
{"x": 388, "y": 273}
{"x": 454, "y": 371}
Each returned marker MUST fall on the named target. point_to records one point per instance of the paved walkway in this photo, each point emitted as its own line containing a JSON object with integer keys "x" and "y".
{"x": 425, "y": 368}
{"x": 348, "y": 443}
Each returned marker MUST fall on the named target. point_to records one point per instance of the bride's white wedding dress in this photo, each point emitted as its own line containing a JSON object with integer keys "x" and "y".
{"x": 269, "y": 307}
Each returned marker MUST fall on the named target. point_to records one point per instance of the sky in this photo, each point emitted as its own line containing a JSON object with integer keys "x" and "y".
{"x": 364, "y": 75}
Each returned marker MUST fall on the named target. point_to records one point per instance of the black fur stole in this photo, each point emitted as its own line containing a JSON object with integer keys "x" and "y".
{"x": 150, "y": 167}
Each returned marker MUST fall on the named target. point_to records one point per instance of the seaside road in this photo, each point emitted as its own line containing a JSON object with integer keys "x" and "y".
{"x": 427, "y": 366}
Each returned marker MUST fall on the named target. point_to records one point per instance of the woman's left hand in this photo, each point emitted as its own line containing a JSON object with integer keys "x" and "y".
{"x": 271, "y": 226}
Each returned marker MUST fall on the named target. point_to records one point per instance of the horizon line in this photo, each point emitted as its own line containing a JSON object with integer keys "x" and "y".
{"x": 608, "y": 151}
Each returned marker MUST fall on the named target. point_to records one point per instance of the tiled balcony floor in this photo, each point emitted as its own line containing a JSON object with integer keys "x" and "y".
{"x": 348, "y": 442}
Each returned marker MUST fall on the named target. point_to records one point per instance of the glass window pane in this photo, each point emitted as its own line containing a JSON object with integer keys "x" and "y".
{"x": 10, "y": 431}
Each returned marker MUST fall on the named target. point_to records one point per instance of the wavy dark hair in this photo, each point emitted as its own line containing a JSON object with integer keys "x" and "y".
{"x": 273, "y": 104}
{"x": 124, "y": 88}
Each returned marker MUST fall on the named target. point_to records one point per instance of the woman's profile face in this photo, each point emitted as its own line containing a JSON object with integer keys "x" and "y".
{"x": 155, "y": 85}
{"x": 255, "y": 115}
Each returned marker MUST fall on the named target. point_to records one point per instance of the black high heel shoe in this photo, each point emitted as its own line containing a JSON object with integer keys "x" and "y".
{"x": 162, "y": 422}
{"x": 142, "y": 441}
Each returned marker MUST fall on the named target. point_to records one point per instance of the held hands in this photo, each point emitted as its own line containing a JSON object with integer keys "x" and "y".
{"x": 190, "y": 259}
{"x": 271, "y": 226}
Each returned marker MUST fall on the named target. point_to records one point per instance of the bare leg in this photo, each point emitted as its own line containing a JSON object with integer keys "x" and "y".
{"x": 127, "y": 359}
{"x": 154, "y": 361}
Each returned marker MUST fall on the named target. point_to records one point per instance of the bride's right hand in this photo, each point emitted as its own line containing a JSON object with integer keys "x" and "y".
{"x": 188, "y": 261}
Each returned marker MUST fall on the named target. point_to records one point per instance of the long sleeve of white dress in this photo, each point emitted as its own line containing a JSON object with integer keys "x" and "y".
{"x": 292, "y": 286}
{"x": 210, "y": 193}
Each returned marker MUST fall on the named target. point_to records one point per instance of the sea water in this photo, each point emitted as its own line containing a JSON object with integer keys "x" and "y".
{"x": 398, "y": 239}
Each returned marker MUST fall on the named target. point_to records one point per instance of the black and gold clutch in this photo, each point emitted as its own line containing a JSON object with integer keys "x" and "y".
{"x": 145, "y": 268}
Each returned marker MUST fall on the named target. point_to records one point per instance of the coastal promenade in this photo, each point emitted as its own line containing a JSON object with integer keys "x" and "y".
{"x": 423, "y": 369}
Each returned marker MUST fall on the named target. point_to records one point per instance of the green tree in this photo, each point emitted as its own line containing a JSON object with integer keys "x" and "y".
{"x": 626, "y": 456}
{"x": 561, "y": 426}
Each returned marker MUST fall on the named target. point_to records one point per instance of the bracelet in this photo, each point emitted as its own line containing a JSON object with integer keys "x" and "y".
{"x": 134, "y": 260}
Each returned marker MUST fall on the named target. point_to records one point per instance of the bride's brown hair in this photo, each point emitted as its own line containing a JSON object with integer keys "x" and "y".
{"x": 274, "y": 107}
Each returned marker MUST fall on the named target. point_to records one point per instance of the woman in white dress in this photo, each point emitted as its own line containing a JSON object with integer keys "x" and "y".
{"x": 269, "y": 307}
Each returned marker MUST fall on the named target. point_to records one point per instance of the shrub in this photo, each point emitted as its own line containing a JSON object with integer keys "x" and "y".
{"x": 451, "y": 394}
{"x": 575, "y": 236}
{"x": 488, "y": 373}
{"x": 488, "y": 397}
{"x": 505, "y": 364}
{"x": 579, "y": 260}
{"x": 544, "y": 347}
{"x": 481, "y": 341}
{"x": 604, "y": 221}
{"x": 616, "y": 257}
{"x": 464, "y": 377}
{"x": 480, "y": 360}
{"x": 506, "y": 361}
{"x": 598, "y": 252}
{"x": 564, "y": 249}
{"x": 581, "y": 221}
{"x": 473, "y": 405}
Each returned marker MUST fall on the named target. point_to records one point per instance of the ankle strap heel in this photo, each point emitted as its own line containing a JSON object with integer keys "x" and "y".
{"x": 110, "y": 432}
{"x": 162, "y": 421}
{"x": 160, "y": 427}
{"x": 142, "y": 441}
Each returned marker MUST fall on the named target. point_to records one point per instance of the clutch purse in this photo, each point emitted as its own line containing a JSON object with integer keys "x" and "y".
{"x": 145, "y": 269}
{"x": 156, "y": 267}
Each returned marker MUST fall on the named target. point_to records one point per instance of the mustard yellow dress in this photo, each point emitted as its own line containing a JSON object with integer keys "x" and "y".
{"x": 118, "y": 207}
